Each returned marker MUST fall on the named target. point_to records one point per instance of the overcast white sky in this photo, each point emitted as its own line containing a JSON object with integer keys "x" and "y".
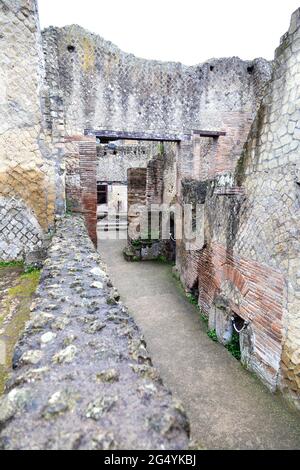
{"x": 187, "y": 31}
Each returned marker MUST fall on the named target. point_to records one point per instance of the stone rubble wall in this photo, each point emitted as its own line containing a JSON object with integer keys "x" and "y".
{"x": 269, "y": 226}
{"x": 55, "y": 86}
{"x": 83, "y": 377}
{"x": 31, "y": 186}
{"x": 102, "y": 87}
{"x": 113, "y": 164}
{"x": 153, "y": 191}
{"x": 75, "y": 80}
{"x": 73, "y": 181}
{"x": 105, "y": 88}
{"x": 250, "y": 262}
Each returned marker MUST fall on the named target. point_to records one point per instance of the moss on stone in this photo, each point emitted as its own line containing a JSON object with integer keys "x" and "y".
{"x": 240, "y": 170}
{"x": 16, "y": 305}
{"x": 27, "y": 285}
{"x": 212, "y": 334}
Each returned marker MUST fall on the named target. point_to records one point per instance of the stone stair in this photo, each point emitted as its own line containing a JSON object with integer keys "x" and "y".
{"x": 116, "y": 223}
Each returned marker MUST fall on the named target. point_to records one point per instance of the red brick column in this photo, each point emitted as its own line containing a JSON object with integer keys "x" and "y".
{"x": 88, "y": 183}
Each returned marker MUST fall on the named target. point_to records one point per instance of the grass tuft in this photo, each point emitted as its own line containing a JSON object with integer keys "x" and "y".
{"x": 212, "y": 334}
{"x": 11, "y": 264}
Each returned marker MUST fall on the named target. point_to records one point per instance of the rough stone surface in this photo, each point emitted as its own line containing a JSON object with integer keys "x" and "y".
{"x": 103, "y": 87}
{"x": 269, "y": 227}
{"x": 70, "y": 82}
{"x": 31, "y": 183}
{"x": 251, "y": 251}
{"x": 93, "y": 385}
{"x": 113, "y": 163}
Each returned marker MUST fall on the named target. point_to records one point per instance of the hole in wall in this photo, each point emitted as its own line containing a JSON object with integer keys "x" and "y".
{"x": 250, "y": 69}
{"x": 195, "y": 288}
{"x": 212, "y": 68}
{"x": 238, "y": 322}
{"x": 234, "y": 346}
{"x": 172, "y": 230}
{"x": 71, "y": 48}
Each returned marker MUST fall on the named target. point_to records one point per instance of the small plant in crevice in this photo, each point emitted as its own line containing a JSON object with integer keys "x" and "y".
{"x": 212, "y": 334}
{"x": 69, "y": 207}
{"x": 192, "y": 299}
{"x": 136, "y": 243}
{"x": 234, "y": 346}
{"x": 161, "y": 259}
{"x": 161, "y": 148}
{"x": 164, "y": 260}
{"x": 32, "y": 270}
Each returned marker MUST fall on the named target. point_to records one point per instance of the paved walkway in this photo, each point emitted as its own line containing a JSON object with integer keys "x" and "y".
{"x": 227, "y": 406}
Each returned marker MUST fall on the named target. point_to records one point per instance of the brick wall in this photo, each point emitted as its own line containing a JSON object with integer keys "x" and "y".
{"x": 154, "y": 189}
{"x": 81, "y": 179}
{"x": 88, "y": 183}
{"x": 255, "y": 293}
{"x": 251, "y": 253}
{"x": 72, "y": 177}
{"x": 269, "y": 230}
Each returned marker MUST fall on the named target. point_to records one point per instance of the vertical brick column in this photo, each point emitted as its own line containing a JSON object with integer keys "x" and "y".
{"x": 88, "y": 182}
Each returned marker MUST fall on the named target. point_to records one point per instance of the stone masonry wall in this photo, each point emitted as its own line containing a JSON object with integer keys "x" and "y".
{"x": 249, "y": 265}
{"x": 137, "y": 185}
{"x": 154, "y": 189}
{"x": 113, "y": 163}
{"x": 31, "y": 189}
{"x": 269, "y": 227}
{"x": 54, "y": 87}
{"x": 80, "y": 333}
{"x": 105, "y": 88}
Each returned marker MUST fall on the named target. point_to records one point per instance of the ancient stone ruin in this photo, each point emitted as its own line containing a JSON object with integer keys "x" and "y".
{"x": 84, "y": 124}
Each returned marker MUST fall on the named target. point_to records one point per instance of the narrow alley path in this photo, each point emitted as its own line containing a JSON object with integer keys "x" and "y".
{"x": 227, "y": 406}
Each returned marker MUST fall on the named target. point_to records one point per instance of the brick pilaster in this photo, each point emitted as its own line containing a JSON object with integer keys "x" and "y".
{"x": 88, "y": 182}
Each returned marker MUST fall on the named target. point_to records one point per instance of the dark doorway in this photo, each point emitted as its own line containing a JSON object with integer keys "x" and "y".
{"x": 102, "y": 194}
